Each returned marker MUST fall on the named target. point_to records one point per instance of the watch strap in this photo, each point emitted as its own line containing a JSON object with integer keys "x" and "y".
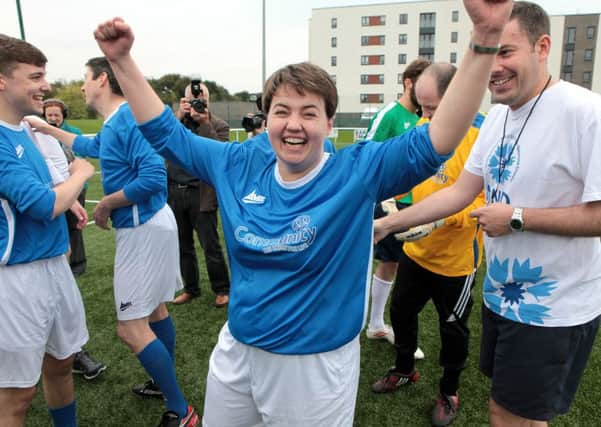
{"x": 485, "y": 50}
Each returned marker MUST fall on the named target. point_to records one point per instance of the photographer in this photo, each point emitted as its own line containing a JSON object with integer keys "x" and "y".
{"x": 194, "y": 203}
{"x": 254, "y": 123}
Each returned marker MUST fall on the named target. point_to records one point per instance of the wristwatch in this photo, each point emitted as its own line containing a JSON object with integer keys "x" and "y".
{"x": 485, "y": 50}
{"x": 516, "y": 223}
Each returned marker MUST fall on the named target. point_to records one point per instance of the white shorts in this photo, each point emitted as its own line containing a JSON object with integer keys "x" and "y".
{"x": 248, "y": 386}
{"x": 146, "y": 266}
{"x": 41, "y": 311}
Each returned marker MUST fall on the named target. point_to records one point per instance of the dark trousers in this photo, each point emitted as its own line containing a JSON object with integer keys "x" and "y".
{"x": 413, "y": 287}
{"x": 77, "y": 261}
{"x": 185, "y": 203}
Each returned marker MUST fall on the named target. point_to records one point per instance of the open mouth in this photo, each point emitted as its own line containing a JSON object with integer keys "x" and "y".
{"x": 500, "y": 81}
{"x": 294, "y": 141}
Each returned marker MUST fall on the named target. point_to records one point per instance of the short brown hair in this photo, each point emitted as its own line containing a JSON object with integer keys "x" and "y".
{"x": 101, "y": 65}
{"x": 15, "y": 51}
{"x": 303, "y": 77}
{"x": 414, "y": 69}
{"x": 532, "y": 18}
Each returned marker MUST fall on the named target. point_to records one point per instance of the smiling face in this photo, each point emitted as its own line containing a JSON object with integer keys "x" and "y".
{"x": 519, "y": 72}
{"x": 24, "y": 89}
{"x": 298, "y": 127}
{"x": 54, "y": 115}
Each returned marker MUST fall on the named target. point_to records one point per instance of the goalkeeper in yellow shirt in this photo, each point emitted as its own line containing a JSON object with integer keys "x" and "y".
{"x": 438, "y": 262}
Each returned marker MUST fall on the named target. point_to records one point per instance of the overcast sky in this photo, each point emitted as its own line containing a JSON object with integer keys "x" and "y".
{"x": 220, "y": 40}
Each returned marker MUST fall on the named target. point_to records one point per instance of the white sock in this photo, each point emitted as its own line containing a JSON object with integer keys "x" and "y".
{"x": 379, "y": 295}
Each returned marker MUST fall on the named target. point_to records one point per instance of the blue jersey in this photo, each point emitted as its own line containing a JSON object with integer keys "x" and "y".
{"x": 127, "y": 163}
{"x": 300, "y": 253}
{"x": 27, "y": 230}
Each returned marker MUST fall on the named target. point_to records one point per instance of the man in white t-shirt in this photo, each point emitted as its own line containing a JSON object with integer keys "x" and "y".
{"x": 538, "y": 158}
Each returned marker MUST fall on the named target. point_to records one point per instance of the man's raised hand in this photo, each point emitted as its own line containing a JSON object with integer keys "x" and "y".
{"x": 488, "y": 17}
{"x": 115, "y": 38}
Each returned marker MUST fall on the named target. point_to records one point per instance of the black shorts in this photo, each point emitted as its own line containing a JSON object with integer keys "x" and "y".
{"x": 535, "y": 370}
{"x": 389, "y": 248}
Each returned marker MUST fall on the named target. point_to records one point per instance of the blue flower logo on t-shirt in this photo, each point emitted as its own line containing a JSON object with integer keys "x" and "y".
{"x": 502, "y": 164}
{"x": 517, "y": 296}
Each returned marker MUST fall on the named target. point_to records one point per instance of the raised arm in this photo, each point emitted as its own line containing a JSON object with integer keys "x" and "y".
{"x": 439, "y": 205}
{"x": 464, "y": 95}
{"x": 115, "y": 38}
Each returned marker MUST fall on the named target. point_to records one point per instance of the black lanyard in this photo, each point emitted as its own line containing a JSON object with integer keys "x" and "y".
{"x": 502, "y": 162}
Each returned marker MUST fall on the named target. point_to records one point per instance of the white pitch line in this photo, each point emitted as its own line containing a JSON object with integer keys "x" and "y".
{"x": 93, "y": 201}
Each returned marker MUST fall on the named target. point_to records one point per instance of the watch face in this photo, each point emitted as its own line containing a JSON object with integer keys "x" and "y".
{"x": 516, "y": 224}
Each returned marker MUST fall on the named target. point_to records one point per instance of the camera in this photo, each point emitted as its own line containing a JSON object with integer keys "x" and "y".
{"x": 199, "y": 105}
{"x": 250, "y": 123}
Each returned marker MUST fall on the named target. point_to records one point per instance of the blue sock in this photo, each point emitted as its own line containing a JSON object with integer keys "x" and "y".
{"x": 65, "y": 416}
{"x": 158, "y": 364}
{"x": 165, "y": 331}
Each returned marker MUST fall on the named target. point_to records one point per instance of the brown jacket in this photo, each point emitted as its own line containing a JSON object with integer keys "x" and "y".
{"x": 218, "y": 129}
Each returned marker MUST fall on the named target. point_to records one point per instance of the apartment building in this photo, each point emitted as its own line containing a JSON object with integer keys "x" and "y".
{"x": 366, "y": 48}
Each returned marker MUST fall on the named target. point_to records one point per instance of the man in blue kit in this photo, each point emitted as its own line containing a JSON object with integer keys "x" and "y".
{"x": 41, "y": 311}
{"x": 298, "y": 227}
{"x": 135, "y": 187}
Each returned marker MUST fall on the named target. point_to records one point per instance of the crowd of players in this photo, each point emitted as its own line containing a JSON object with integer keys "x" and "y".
{"x": 298, "y": 222}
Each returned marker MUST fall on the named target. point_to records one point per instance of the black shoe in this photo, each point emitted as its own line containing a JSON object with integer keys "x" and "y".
{"x": 393, "y": 380}
{"x": 171, "y": 419}
{"x": 148, "y": 389}
{"x": 445, "y": 410}
{"x": 84, "y": 364}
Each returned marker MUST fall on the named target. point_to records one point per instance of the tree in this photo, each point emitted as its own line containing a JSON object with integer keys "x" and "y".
{"x": 70, "y": 93}
{"x": 170, "y": 87}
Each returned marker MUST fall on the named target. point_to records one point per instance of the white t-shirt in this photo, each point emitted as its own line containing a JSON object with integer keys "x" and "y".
{"x": 534, "y": 278}
{"x": 53, "y": 154}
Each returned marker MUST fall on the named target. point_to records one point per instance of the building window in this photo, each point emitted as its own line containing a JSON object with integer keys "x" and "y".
{"x": 403, "y": 19}
{"x": 454, "y": 36}
{"x": 588, "y": 54}
{"x": 333, "y": 61}
{"x": 373, "y": 40}
{"x": 571, "y": 35}
{"x": 590, "y": 32}
{"x": 372, "y": 59}
{"x": 426, "y": 40}
{"x": 566, "y": 77}
{"x": 333, "y": 77}
{"x": 455, "y": 16}
{"x": 402, "y": 58}
{"x": 334, "y": 42}
{"x": 402, "y": 38}
{"x": 427, "y": 20}
{"x": 568, "y": 58}
{"x": 371, "y": 98}
{"x": 428, "y": 56}
{"x": 586, "y": 77}
{"x": 399, "y": 78}
{"x": 368, "y": 21}
{"x": 334, "y": 22}
{"x": 372, "y": 79}
{"x": 453, "y": 59}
